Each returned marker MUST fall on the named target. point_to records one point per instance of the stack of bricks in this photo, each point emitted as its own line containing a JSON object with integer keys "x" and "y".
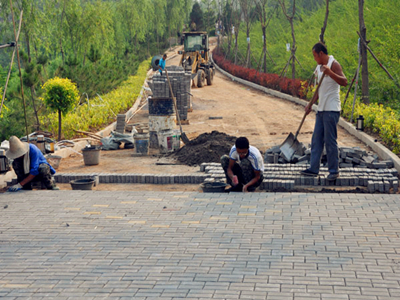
{"x": 135, "y": 178}
{"x": 160, "y": 87}
{"x": 180, "y": 83}
{"x": 121, "y": 118}
{"x": 288, "y": 177}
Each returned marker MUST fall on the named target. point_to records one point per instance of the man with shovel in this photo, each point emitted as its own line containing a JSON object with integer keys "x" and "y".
{"x": 243, "y": 167}
{"x": 327, "y": 118}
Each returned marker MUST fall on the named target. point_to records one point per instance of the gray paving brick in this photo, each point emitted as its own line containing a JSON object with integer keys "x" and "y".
{"x": 281, "y": 246}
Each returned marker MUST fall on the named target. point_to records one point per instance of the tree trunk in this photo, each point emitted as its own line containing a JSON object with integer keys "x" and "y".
{"x": 84, "y": 57}
{"x": 264, "y": 49}
{"x": 28, "y": 47}
{"x": 34, "y": 107}
{"x": 321, "y": 36}
{"x": 364, "y": 56}
{"x": 293, "y": 51}
{"x": 158, "y": 44}
{"x": 59, "y": 125}
{"x": 236, "y": 46}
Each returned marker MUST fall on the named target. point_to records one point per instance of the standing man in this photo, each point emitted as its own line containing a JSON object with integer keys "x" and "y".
{"x": 327, "y": 118}
{"x": 243, "y": 167}
{"x": 30, "y": 165}
{"x": 161, "y": 64}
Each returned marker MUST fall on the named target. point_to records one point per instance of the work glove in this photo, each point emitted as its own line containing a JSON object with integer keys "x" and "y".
{"x": 15, "y": 188}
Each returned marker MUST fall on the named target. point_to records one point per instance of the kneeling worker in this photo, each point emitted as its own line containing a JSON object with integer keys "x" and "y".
{"x": 243, "y": 167}
{"x": 30, "y": 165}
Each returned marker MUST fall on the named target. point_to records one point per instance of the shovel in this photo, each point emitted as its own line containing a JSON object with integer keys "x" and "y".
{"x": 291, "y": 145}
{"x": 184, "y": 138}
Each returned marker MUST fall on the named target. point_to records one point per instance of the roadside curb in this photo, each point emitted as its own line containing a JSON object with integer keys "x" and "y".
{"x": 380, "y": 149}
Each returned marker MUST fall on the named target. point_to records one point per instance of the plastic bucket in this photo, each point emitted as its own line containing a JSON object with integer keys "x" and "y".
{"x": 82, "y": 184}
{"x": 153, "y": 139}
{"x": 165, "y": 141}
{"x": 158, "y": 123}
{"x": 141, "y": 143}
{"x": 91, "y": 156}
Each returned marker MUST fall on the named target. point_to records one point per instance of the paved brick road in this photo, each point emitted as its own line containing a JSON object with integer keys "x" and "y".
{"x": 150, "y": 245}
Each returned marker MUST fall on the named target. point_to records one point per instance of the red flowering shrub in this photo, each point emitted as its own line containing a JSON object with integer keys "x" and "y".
{"x": 292, "y": 87}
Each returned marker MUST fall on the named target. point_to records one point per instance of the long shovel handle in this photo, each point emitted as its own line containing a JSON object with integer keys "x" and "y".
{"x": 174, "y": 100}
{"x": 312, "y": 99}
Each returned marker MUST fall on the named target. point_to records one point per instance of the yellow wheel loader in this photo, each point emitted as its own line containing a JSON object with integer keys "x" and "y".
{"x": 196, "y": 59}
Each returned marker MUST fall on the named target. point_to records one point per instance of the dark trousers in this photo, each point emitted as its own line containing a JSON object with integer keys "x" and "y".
{"x": 325, "y": 134}
{"x": 244, "y": 172}
{"x": 44, "y": 175}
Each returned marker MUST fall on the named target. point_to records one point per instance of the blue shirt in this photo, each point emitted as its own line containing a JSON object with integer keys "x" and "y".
{"x": 161, "y": 64}
{"x": 36, "y": 158}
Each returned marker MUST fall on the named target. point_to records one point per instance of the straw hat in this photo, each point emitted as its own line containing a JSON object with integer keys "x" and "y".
{"x": 17, "y": 148}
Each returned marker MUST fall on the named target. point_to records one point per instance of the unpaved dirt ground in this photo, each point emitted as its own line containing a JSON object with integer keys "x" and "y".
{"x": 265, "y": 120}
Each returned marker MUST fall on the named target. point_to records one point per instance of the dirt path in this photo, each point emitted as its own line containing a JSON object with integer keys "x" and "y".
{"x": 264, "y": 119}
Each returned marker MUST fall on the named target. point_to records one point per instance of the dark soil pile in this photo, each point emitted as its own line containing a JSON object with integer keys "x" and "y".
{"x": 207, "y": 147}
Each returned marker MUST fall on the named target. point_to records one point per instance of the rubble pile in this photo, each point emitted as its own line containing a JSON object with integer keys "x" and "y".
{"x": 348, "y": 158}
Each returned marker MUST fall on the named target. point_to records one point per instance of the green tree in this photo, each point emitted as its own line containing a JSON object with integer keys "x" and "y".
{"x": 61, "y": 95}
{"x": 197, "y": 17}
{"x": 209, "y": 16}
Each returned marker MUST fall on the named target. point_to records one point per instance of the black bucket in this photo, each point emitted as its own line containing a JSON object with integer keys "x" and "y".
{"x": 213, "y": 187}
{"x": 82, "y": 184}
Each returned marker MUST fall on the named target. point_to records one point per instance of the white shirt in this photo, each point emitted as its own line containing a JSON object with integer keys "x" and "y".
{"x": 328, "y": 94}
{"x": 254, "y": 157}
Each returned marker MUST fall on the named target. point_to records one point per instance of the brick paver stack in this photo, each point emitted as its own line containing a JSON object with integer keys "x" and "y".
{"x": 180, "y": 83}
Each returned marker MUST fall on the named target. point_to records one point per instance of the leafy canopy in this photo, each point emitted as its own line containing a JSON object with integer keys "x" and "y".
{"x": 60, "y": 94}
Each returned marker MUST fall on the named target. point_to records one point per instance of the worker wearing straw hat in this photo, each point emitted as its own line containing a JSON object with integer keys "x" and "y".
{"x": 30, "y": 165}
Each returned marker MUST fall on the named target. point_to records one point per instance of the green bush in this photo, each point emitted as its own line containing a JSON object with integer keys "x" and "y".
{"x": 379, "y": 119}
{"x": 61, "y": 95}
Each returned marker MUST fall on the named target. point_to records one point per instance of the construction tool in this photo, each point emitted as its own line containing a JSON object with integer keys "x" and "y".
{"x": 291, "y": 145}
{"x": 184, "y": 138}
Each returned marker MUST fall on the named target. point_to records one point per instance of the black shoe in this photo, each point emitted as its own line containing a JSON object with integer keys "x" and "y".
{"x": 332, "y": 177}
{"x": 308, "y": 173}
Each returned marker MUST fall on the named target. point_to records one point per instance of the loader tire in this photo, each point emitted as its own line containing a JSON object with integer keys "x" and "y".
{"x": 200, "y": 78}
{"x": 210, "y": 77}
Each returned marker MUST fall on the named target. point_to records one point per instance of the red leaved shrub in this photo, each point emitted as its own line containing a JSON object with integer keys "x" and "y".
{"x": 292, "y": 87}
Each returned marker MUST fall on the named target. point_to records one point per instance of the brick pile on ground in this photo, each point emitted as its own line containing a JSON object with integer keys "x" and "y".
{"x": 348, "y": 158}
{"x": 207, "y": 147}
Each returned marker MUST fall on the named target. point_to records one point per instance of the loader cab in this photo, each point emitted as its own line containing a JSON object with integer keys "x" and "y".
{"x": 196, "y": 42}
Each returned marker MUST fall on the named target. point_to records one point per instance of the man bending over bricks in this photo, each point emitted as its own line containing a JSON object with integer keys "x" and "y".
{"x": 29, "y": 165}
{"x": 243, "y": 167}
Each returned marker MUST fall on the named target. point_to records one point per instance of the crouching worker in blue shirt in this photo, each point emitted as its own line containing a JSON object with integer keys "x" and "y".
{"x": 243, "y": 167}
{"x": 30, "y": 165}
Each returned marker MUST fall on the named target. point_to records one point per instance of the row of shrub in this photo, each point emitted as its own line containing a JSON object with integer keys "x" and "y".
{"x": 379, "y": 119}
{"x": 292, "y": 87}
{"x": 94, "y": 113}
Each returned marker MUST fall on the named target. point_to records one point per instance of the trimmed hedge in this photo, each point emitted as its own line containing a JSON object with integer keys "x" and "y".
{"x": 292, "y": 87}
